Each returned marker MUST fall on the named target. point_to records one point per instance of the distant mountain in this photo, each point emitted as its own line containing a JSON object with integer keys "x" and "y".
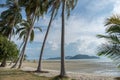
{"x": 79, "y": 56}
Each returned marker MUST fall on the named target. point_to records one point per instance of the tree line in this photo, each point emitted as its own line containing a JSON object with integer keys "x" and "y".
{"x": 12, "y": 23}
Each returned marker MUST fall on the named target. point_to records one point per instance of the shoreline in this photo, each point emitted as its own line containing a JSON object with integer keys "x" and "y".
{"x": 72, "y": 75}
{"x": 79, "y": 70}
{"x": 104, "y": 68}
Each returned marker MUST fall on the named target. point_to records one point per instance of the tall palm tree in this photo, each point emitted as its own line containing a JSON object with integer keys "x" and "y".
{"x": 67, "y": 5}
{"x": 54, "y": 5}
{"x": 34, "y": 9}
{"x": 62, "y": 72}
{"x": 112, "y": 48}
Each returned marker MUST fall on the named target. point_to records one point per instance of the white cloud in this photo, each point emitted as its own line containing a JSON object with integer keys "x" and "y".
{"x": 95, "y": 5}
{"x": 54, "y": 46}
{"x": 116, "y": 9}
{"x": 76, "y": 29}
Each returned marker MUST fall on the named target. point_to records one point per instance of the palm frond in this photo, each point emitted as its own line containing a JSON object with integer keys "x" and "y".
{"x": 115, "y": 19}
{"x": 110, "y": 38}
{"x": 70, "y": 5}
{"x": 19, "y": 30}
{"x": 38, "y": 28}
{"x": 113, "y": 29}
{"x": 111, "y": 51}
{"x": 22, "y": 34}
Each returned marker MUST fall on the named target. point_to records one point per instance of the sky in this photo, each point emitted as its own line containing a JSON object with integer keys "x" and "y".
{"x": 85, "y": 22}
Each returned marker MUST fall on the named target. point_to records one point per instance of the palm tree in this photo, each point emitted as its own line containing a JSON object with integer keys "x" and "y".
{"x": 10, "y": 18}
{"x": 24, "y": 32}
{"x": 112, "y": 48}
{"x": 67, "y": 5}
{"x": 34, "y": 9}
{"x": 54, "y": 8}
{"x": 62, "y": 72}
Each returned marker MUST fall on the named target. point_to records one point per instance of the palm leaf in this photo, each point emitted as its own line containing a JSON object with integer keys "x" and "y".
{"x": 113, "y": 29}
{"x": 19, "y": 30}
{"x": 115, "y": 19}
{"x": 22, "y": 34}
{"x": 110, "y": 38}
{"x": 38, "y": 28}
{"x": 111, "y": 51}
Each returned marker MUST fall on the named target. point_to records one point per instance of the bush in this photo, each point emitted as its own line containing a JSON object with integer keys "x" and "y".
{"x": 8, "y": 49}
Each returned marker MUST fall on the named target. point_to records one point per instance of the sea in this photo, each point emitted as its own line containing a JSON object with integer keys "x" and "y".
{"x": 103, "y": 67}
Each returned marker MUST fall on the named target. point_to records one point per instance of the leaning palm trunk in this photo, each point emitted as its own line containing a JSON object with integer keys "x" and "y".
{"x": 62, "y": 72}
{"x": 16, "y": 62}
{"x": 39, "y": 68}
{"x": 19, "y": 57}
{"x": 24, "y": 48}
{"x": 32, "y": 20}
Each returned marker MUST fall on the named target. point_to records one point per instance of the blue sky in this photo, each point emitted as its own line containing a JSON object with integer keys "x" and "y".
{"x": 86, "y": 21}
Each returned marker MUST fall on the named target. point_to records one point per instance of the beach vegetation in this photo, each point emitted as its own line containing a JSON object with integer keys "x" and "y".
{"x": 8, "y": 51}
{"x": 33, "y": 10}
{"x": 111, "y": 48}
{"x": 9, "y": 18}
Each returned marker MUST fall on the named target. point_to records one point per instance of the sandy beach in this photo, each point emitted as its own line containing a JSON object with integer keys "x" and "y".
{"x": 72, "y": 75}
{"x": 79, "y": 70}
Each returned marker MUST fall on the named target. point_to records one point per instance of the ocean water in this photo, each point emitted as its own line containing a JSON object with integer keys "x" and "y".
{"x": 94, "y": 66}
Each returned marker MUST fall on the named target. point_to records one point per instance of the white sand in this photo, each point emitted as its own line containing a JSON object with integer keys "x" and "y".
{"x": 77, "y": 76}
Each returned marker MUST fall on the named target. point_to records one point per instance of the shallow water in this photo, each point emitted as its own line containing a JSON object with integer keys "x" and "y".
{"x": 92, "y": 66}
{"x": 95, "y": 66}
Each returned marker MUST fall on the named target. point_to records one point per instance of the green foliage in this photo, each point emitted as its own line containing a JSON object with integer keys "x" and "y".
{"x": 23, "y": 30}
{"x": 111, "y": 49}
{"x": 8, "y": 49}
{"x": 55, "y": 4}
{"x": 9, "y": 18}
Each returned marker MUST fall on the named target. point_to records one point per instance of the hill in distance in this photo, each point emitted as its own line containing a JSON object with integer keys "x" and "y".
{"x": 78, "y": 56}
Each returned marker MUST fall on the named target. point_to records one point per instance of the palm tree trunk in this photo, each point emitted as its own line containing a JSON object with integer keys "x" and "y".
{"x": 39, "y": 68}
{"x": 23, "y": 49}
{"x": 3, "y": 63}
{"x": 16, "y": 62}
{"x": 32, "y": 20}
{"x": 63, "y": 73}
